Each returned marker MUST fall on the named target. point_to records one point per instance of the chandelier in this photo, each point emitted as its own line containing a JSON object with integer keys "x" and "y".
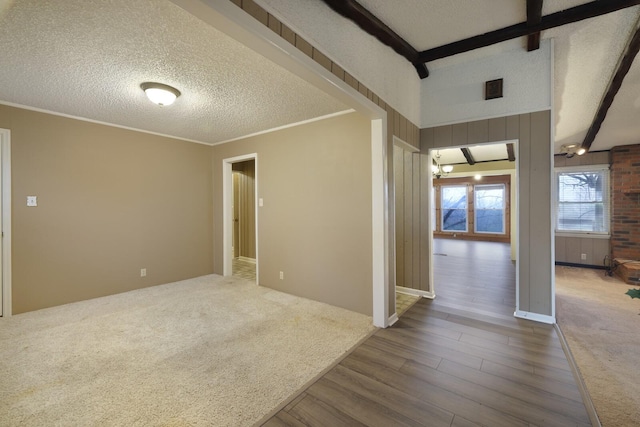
{"x": 439, "y": 170}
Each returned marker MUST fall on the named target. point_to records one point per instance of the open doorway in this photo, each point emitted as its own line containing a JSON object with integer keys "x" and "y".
{"x": 240, "y": 218}
{"x": 473, "y": 222}
{"x": 244, "y": 224}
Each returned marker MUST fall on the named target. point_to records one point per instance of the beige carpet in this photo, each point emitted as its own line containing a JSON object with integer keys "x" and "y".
{"x": 602, "y": 327}
{"x": 206, "y": 351}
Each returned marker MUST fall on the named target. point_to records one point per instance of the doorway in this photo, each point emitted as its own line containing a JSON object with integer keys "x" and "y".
{"x": 474, "y": 227}
{"x": 244, "y": 230}
{"x": 240, "y": 217}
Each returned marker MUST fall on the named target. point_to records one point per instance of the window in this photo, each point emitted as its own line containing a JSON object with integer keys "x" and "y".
{"x": 454, "y": 207}
{"x": 489, "y": 208}
{"x": 583, "y": 199}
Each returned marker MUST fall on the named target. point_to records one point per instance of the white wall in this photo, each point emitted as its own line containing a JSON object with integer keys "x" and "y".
{"x": 454, "y": 92}
{"x": 377, "y": 66}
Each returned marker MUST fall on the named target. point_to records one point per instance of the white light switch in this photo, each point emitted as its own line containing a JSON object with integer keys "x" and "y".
{"x": 260, "y": 202}
{"x": 32, "y": 201}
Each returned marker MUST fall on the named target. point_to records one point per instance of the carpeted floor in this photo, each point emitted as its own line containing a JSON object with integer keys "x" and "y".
{"x": 602, "y": 326}
{"x": 206, "y": 351}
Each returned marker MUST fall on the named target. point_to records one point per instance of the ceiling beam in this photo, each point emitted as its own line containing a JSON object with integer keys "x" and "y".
{"x": 354, "y": 11}
{"x": 534, "y": 16}
{"x": 468, "y": 156}
{"x": 511, "y": 154}
{"x": 568, "y": 16}
{"x": 614, "y": 86}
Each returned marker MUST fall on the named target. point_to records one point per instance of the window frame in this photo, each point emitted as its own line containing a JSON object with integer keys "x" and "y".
{"x": 606, "y": 200}
{"x": 504, "y": 208}
{"x": 466, "y": 209}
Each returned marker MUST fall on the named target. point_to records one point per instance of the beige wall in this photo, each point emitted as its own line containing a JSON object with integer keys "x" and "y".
{"x": 315, "y": 225}
{"x": 570, "y": 249}
{"x": 533, "y": 132}
{"x": 110, "y": 202}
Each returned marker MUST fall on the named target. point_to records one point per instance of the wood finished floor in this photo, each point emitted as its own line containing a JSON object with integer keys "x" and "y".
{"x": 459, "y": 360}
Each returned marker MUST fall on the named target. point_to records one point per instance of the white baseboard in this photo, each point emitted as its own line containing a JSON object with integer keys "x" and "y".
{"x": 246, "y": 259}
{"x": 415, "y": 292}
{"x": 542, "y": 318}
{"x": 393, "y": 319}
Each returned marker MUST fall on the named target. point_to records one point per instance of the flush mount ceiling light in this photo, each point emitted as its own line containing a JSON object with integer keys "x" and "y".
{"x": 572, "y": 149}
{"x": 159, "y": 93}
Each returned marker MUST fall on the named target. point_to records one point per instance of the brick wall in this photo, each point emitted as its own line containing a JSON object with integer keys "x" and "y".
{"x": 625, "y": 200}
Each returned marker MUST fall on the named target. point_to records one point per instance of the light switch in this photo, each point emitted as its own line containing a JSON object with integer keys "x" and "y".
{"x": 260, "y": 202}
{"x": 32, "y": 201}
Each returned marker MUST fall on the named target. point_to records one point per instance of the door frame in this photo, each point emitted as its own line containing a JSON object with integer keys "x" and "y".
{"x": 227, "y": 211}
{"x": 515, "y": 210}
{"x": 5, "y": 208}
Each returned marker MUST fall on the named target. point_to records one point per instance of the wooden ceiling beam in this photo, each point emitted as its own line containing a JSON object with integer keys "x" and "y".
{"x": 468, "y": 156}
{"x": 534, "y": 16}
{"x": 511, "y": 154}
{"x": 370, "y": 23}
{"x": 564, "y": 17}
{"x": 614, "y": 86}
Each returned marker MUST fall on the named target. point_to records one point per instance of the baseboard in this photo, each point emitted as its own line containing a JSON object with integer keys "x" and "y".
{"x": 415, "y": 292}
{"x": 573, "y": 264}
{"x": 536, "y": 317}
{"x": 393, "y": 319}
{"x": 246, "y": 259}
{"x": 582, "y": 387}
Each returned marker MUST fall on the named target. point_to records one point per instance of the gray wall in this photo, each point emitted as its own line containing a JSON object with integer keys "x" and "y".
{"x": 315, "y": 225}
{"x": 570, "y": 249}
{"x": 533, "y": 133}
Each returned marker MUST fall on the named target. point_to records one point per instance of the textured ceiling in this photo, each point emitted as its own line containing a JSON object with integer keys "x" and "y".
{"x": 87, "y": 58}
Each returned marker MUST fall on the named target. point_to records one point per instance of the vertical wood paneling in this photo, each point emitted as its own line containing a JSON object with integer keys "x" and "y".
{"x": 478, "y": 132}
{"x": 426, "y": 139}
{"x": 560, "y": 248}
{"x": 460, "y": 134}
{"x": 601, "y": 249}
{"x": 513, "y": 127}
{"x": 540, "y": 220}
{"x": 244, "y": 204}
{"x": 398, "y": 162}
{"x": 498, "y": 129}
{"x": 442, "y": 136}
{"x": 573, "y": 249}
{"x": 586, "y": 247}
{"x": 408, "y": 219}
{"x": 524, "y": 195}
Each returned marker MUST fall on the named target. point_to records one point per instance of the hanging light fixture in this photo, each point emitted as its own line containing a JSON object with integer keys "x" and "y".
{"x": 159, "y": 93}
{"x": 440, "y": 170}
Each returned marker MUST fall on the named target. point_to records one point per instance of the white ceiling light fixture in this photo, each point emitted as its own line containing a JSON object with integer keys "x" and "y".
{"x": 159, "y": 93}
{"x": 571, "y": 150}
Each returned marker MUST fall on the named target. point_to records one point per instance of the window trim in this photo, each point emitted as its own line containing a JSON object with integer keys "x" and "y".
{"x": 577, "y": 233}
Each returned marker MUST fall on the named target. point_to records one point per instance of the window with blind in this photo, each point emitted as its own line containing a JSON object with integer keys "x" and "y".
{"x": 582, "y": 197}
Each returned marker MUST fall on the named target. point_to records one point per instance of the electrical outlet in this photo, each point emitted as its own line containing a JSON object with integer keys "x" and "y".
{"x": 282, "y": 275}
{"x": 143, "y": 272}
{"x": 583, "y": 257}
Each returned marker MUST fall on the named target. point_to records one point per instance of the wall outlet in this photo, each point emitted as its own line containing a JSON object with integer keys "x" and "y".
{"x": 143, "y": 272}
{"x": 282, "y": 275}
{"x": 583, "y": 257}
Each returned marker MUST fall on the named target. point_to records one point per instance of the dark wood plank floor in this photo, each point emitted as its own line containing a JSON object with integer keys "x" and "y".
{"x": 459, "y": 360}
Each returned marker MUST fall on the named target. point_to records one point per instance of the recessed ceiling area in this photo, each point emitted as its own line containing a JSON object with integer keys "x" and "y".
{"x": 87, "y": 59}
{"x": 480, "y": 153}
